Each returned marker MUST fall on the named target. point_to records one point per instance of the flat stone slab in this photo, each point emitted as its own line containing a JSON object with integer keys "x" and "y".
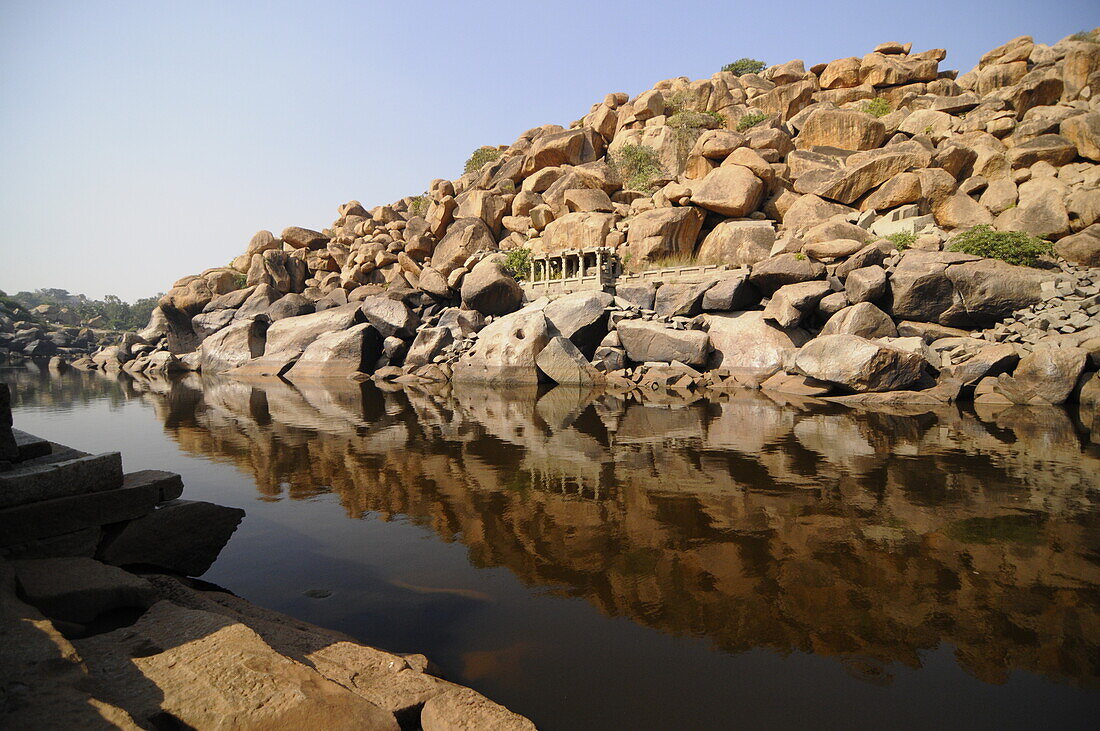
{"x": 80, "y": 589}
{"x": 183, "y": 536}
{"x": 30, "y": 446}
{"x": 210, "y": 672}
{"x": 139, "y": 495}
{"x": 35, "y": 482}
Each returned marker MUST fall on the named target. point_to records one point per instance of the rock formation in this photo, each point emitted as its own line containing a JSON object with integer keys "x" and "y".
{"x": 835, "y": 199}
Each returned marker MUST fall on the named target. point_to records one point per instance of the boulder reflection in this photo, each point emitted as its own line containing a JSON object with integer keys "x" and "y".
{"x": 868, "y": 536}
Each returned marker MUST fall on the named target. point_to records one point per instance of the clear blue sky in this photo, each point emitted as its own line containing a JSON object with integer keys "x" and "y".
{"x": 142, "y": 141}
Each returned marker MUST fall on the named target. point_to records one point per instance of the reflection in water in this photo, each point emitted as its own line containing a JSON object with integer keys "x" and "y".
{"x": 864, "y": 536}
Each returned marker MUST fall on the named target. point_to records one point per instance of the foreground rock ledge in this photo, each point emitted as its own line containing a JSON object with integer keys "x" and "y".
{"x": 100, "y": 628}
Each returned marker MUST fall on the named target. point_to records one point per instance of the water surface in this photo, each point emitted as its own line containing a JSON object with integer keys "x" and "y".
{"x": 598, "y": 563}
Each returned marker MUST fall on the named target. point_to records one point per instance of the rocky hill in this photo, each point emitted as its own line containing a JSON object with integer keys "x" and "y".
{"x": 884, "y": 225}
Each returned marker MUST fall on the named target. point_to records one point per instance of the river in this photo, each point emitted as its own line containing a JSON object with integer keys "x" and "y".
{"x": 598, "y": 563}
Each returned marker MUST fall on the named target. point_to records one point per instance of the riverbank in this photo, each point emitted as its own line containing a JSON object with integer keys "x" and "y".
{"x": 102, "y": 628}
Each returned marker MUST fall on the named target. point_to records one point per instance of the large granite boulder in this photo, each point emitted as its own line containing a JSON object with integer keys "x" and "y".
{"x": 339, "y": 354}
{"x": 233, "y": 346}
{"x": 778, "y": 271}
{"x": 745, "y": 343}
{"x": 391, "y": 317}
{"x": 581, "y": 317}
{"x": 465, "y": 237}
{"x": 1046, "y": 375}
{"x": 858, "y": 364}
{"x": 731, "y": 190}
{"x": 651, "y": 341}
{"x": 563, "y": 363}
{"x": 491, "y": 290}
{"x": 663, "y": 232}
{"x": 737, "y": 243}
{"x": 428, "y": 344}
{"x": 506, "y": 350}
{"x": 862, "y": 319}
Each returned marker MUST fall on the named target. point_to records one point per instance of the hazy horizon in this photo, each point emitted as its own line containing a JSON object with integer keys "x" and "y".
{"x": 142, "y": 142}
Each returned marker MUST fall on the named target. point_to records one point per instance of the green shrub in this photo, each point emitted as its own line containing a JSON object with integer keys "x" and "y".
{"x": 877, "y": 107}
{"x": 481, "y": 156}
{"x": 743, "y": 66}
{"x": 695, "y": 120}
{"x": 418, "y": 205}
{"x": 636, "y": 167}
{"x": 902, "y": 240}
{"x": 800, "y": 256}
{"x": 240, "y": 280}
{"x": 1089, "y": 36}
{"x": 750, "y": 120}
{"x": 517, "y": 262}
{"x": 1014, "y": 247}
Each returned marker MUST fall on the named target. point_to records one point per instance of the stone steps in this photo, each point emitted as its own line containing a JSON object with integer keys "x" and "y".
{"x": 38, "y": 479}
{"x": 138, "y": 494}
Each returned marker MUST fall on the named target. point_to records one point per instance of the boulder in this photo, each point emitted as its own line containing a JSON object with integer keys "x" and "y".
{"x": 862, "y": 319}
{"x": 844, "y": 129}
{"x": 339, "y": 354}
{"x": 582, "y": 318}
{"x": 303, "y": 238}
{"x": 576, "y": 231}
{"x": 233, "y": 346}
{"x": 428, "y": 344}
{"x": 641, "y": 294}
{"x": 490, "y": 290}
{"x": 737, "y": 243}
{"x": 681, "y": 299}
{"x": 744, "y": 342}
{"x": 262, "y": 241}
{"x": 920, "y": 288}
{"x": 390, "y": 317}
{"x": 732, "y": 291}
{"x": 651, "y": 341}
{"x": 506, "y": 350}
{"x": 731, "y": 190}
{"x": 465, "y": 237}
{"x": 1053, "y": 149}
{"x": 205, "y": 324}
{"x": 257, "y": 303}
{"x": 663, "y": 232}
{"x": 462, "y": 709}
{"x": 866, "y": 284}
{"x": 858, "y": 364}
{"x": 290, "y": 305}
{"x": 1083, "y": 130}
{"x": 182, "y": 536}
{"x": 988, "y": 290}
{"x": 792, "y": 302}
{"x": 1081, "y": 248}
{"x": 771, "y": 274}
{"x": 563, "y": 363}
{"x": 1046, "y": 375}
{"x": 866, "y": 170}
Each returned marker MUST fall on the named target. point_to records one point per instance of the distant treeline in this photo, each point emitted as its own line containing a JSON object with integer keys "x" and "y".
{"x": 115, "y": 314}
